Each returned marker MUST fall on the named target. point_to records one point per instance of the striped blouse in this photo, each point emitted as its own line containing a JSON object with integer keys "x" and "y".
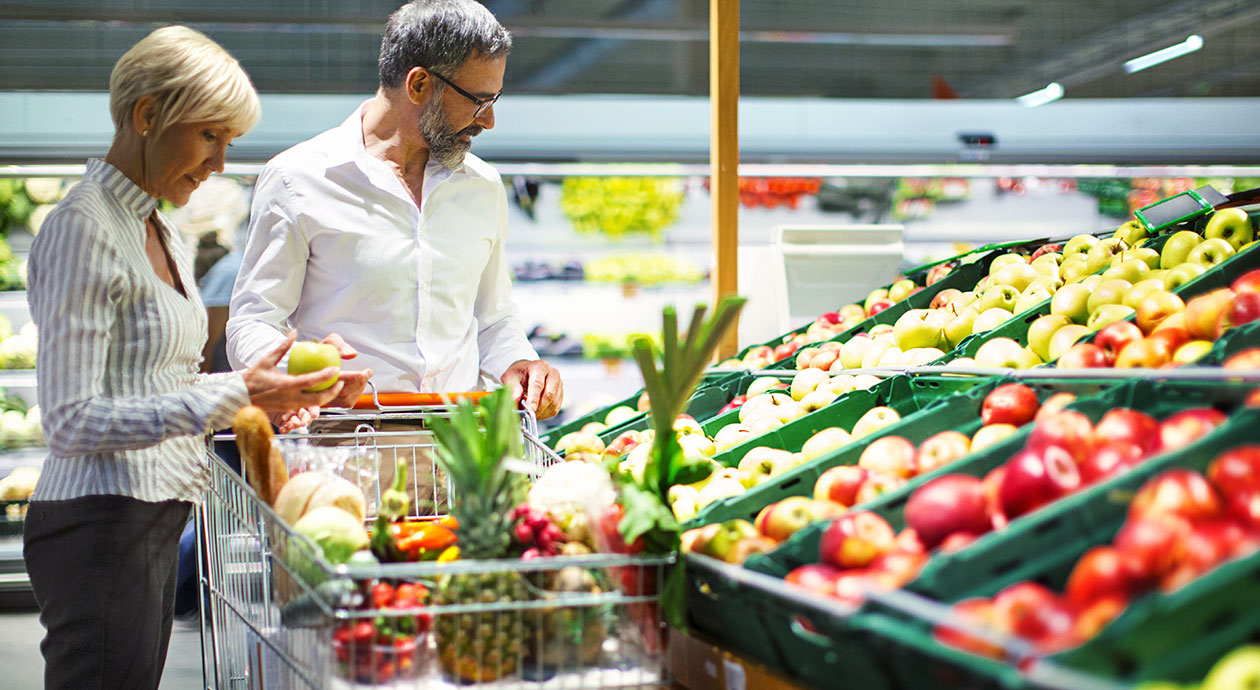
{"x": 124, "y": 408}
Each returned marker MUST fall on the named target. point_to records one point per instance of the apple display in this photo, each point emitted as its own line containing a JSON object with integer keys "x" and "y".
{"x": 946, "y": 505}
{"x": 940, "y": 449}
{"x": 1177, "y": 248}
{"x": 1209, "y": 253}
{"x": 307, "y": 357}
{"x": 890, "y": 455}
{"x": 1230, "y": 225}
{"x": 1083, "y": 356}
{"x": 988, "y": 435}
{"x": 1064, "y": 338}
{"x": 1001, "y": 353}
{"x": 840, "y": 484}
{"x": 1156, "y": 307}
{"x": 1072, "y": 301}
{"x": 1079, "y": 244}
{"x": 853, "y": 540}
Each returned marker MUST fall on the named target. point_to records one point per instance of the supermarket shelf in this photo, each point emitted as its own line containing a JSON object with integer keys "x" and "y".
{"x": 13, "y": 299}
{"x": 17, "y": 378}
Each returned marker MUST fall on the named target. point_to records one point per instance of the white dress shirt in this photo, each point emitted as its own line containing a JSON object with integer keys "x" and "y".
{"x": 124, "y": 410}
{"x": 337, "y": 245}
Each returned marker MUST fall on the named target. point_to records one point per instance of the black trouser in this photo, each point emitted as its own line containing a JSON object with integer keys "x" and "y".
{"x": 103, "y": 571}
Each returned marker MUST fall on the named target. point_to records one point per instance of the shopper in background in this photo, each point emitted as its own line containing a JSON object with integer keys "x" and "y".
{"x": 385, "y": 230}
{"x": 121, "y": 329}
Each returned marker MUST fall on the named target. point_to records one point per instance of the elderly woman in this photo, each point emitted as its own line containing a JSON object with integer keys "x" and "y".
{"x": 121, "y": 331}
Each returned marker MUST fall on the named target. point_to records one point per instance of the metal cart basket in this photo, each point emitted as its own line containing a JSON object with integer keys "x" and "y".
{"x": 277, "y": 615}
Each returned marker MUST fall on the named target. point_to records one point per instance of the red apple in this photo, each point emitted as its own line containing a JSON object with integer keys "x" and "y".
{"x": 1108, "y": 459}
{"x": 993, "y": 493}
{"x": 1243, "y": 359}
{"x": 840, "y": 484}
{"x": 877, "y": 306}
{"x": 890, "y": 455}
{"x": 1083, "y": 356}
{"x": 1123, "y": 425}
{"x": 900, "y": 566}
{"x": 1203, "y": 313}
{"x": 1069, "y": 429}
{"x": 1156, "y": 545}
{"x": 1053, "y": 404}
{"x": 623, "y": 444}
{"x": 1091, "y": 619}
{"x": 782, "y": 519}
{"x": 1144, "y": 354}
{"x": 1247, "y": 282}
{"x": 823, "y": 359}
{"x": 977, "y": 613}
{"x": 1180, "y": 492}
{"x": 1010, "y": 403}
{"x": 1244, "y": 308}
{"x": 877, "y": 484}
{"x": 831, "y": 317}
{"x": 850, "y": 587}
{"x": 1115, "y": 336}
{"x": 816, "y": 577}
{"x": 1103, "y": 571}
{"x": 943, "y": 297}
{"x": 1171, "y": 338}
{"x": 1236, "y": 469}
{"x": 940, "y": 449}
{"x": 855, "y": 539}
{"x": 1035, "y": 613}
{"x": 908, "y": 542}
{"x": 1244, "y": 506}
{"x": 1035, "y": 477}
{"x": 1156, "y": 307}
{"x": 958, "y": 541}
{"x": 785, "y": 350}
{"x": 1045, "y": 249}
{"x": 945, "y": 505}
{"x": 1207, "y": 545}
{"x": 1184, "y": 427}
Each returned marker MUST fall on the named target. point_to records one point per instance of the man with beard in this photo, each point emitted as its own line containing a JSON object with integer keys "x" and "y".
{"x": 385, "y": 236}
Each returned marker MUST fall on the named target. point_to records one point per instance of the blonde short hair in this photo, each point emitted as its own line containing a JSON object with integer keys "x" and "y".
{"x": 192, "y": 78}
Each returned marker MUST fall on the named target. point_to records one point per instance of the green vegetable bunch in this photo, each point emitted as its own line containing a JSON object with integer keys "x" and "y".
{"x": 620, "y": 206}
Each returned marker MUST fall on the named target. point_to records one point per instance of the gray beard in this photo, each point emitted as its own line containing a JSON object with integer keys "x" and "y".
{"x": 445, "y": 145}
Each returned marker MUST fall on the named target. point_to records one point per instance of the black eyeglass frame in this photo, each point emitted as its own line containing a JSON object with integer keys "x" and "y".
{"x": 483, "y": 104}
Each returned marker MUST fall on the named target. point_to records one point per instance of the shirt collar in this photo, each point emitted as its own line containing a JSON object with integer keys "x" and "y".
{"x": 352, "y": 150}
{"x": 128, "y": 193}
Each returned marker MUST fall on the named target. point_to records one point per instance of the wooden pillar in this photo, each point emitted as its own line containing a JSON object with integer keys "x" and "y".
{"x": 724, "y": 153}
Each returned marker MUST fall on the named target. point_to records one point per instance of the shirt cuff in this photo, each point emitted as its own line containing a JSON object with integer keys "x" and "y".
{"x": 233, "y": 395}
{"x": 498, "y": 363}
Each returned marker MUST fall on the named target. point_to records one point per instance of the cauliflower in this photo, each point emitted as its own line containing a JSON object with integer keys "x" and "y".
{"x": 43, "y": 190}
{"x": 573, "y": 494}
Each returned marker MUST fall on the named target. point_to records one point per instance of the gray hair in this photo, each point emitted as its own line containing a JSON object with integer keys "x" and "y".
{"x": 192, "y": 78}
{"x": 438, "y": 35}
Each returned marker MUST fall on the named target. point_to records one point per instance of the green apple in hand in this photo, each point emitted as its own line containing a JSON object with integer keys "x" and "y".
{"x": 1231, "y": 225}
{"x": 308, "y": 356}
{"x": 1177, "y": 248}
{"x": 1209, "y": 253}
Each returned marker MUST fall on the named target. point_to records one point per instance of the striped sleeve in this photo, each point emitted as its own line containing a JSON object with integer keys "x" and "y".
{"x": 78, "y": 287}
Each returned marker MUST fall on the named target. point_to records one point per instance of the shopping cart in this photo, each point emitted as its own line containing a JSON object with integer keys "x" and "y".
{"x": 277, "y": 615}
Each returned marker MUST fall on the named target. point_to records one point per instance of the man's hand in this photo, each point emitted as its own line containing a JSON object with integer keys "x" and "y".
{"x": 278, "y": 392}
{"x": 355, "y": 381}
{"x": 537, "y": 384}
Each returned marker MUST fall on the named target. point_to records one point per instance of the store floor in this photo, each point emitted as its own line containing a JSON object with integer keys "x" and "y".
{"x": 20, "y": 634}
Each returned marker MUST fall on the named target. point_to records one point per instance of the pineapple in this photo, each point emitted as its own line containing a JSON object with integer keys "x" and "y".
{"x": 472, "y": 448}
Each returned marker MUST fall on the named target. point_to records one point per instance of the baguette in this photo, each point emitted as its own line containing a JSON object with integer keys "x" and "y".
{"x": 253, "y": 440}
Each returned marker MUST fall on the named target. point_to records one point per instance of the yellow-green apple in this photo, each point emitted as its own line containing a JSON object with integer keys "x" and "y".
{"x": 853, "y": 540}
{"x": 718, "y": 489}
{"x": 877, "y": 484}
{"x": 873, "y": 420}
{"x": 874, "y": 353}
{"x": 308, "y": 356}
{"x": 764, "y": 462}
{"x": 863, "y": 382}
{"x": 1113, "y": 338}
{"x": 1079, "y": 244}
{"x": 1209, "y": 253}
{"x": 733, "y": 473}
{"x": 803, "y": 356}
{"x": 919, "y": 328}
{"x": 1243, "y": 308}
{"x": 1203, "y": 313}
{"x": 784, "y": 518}
{"x": 890, "y": 455}
{"x": 777, "y": 405}
{"x": 937, "y": 273}
{"x": 1141, "y": 289}
{"x": 920, "y": 356}
{"x": 1049, "y": 283}
{"x": 1191, "y": 351}
{"x": 876, "y": 295}
{"x": 1072, "y": 301}
{"x": 963, "y": 300}
{"x": 721, "y": 545}
{"x": 1073, "y": 268}
{"x": 890, "y": 358}
{"x": 1146, "y": 353}
{"x": 1083, "y": 356}
{"x": 763, "y": 424}
{"x": 961, "y": 326}
{"x": 1146, "y": 255}
{"x": 961, "y": 362}
{"x": 840, "y": 484}
{"x": 824, "y": 358}
{"x": 1099, "y": 255}
{"x": 817, "y": 399}
{"x": 580, "y": 442}
{"x": 823, "y": 442}
{"x": 1248, "y": 358}
{"x": 1005, "y": 260}
{"x": 1017, "y": 275}
{"x": 1108, "y": 292}
{"x": 1247, "y": 282}
{"x": 1091, "y": 281}
{"x": 998, "y": 296}
{"x": 990, "y": 434}
{"x": 1129, "y": 270}
{"x": 940, "y": 449}
{"x": 838, "y": 384}
{"x": 1001, "y": 353}
{"x": 761, "y": 385}
{"x": 851, "y": 353}
{"x": 1231, "y": 225}
{"x": 852, "y": 312}
{"x": 1237, "y": 670}
{"x": 731, "y": 435}
{"x": 759, "y": 354}
{"x": 1172, "y": 332}
{"x": 1031, "y": 359}
{"x": 1180, "y": 275}
{"x": 1108, "y": 313}
{"x": 619, "y": 414}
{"x": 1066, "y": 337}
{"x": 685, "y": 424}
{"x": 880, "y": 329}
{"x": 1031, "y": 298}
{"x": 1156, "y": 307}
{"x": 1177, "y": 248}
{"x": 1052, "y": 257}
{"x": 697, "y": 446}
{"x": 1041, "y": 330}
{"x": 900, "y": 289}
{"x": 944, "y": 297}
{"x": 1132, "y": 232}
{"x": 1053, "y": 404}
{"x": 683, "y": 503}
{"x": 595, "y": 427}
{"x": 805, "y": 382}
{"x": 990, "y": 319}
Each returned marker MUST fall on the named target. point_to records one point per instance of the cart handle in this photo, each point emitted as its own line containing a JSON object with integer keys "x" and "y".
{"x": 374, "y": 400}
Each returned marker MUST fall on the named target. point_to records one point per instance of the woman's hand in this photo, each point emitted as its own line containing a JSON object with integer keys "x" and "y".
{"x": 277, "y": 392}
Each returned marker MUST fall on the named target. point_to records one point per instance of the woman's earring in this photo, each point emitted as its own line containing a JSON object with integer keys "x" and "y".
{"x": 144, "y": 133}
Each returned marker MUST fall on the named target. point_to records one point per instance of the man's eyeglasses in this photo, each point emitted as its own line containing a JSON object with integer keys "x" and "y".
{"x": 483, "y": 104}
